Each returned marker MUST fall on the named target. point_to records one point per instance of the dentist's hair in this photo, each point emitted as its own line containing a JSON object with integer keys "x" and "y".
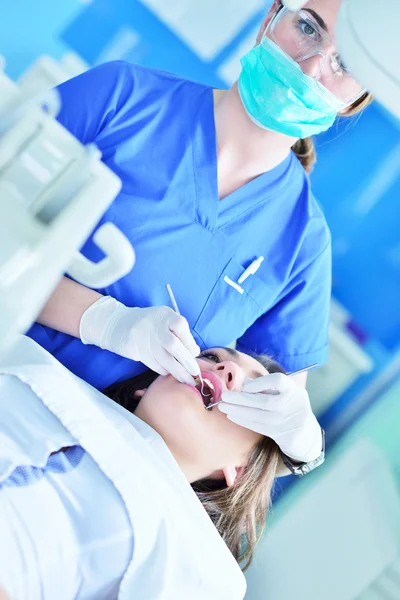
{"x": 305, "y": 150}
{"x": 238, "y": 512}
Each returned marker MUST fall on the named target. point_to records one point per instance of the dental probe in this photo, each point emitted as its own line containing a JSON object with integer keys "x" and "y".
{"x": 314, "y": 366}
{"x": 176, "y": 309}
{"x": 172, "y": 299}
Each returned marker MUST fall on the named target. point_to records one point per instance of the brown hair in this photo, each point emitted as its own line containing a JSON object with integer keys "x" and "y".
{"x": 238, "y": 512}
{"x": 305, "y": 149}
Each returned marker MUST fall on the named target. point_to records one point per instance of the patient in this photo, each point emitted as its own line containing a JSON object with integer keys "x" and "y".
{"x": 231, "y": 469}
{"x": 98, "y": 502}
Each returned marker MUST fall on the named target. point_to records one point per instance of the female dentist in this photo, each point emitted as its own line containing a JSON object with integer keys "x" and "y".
{"x": 217, "y": 202}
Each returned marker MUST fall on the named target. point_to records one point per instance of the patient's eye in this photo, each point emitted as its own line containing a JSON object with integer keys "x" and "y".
{"x": 211, "y": 355}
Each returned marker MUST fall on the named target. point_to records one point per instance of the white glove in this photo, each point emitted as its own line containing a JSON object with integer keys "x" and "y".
{"x": 156, "y": 336}
{"x": 284, "y": 414}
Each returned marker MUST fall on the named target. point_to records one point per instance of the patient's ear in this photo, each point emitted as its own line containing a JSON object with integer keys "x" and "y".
{"x": 232, "y": 474}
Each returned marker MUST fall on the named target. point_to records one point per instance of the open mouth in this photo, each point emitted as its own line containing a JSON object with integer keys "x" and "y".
{"x": 210, "y": 389}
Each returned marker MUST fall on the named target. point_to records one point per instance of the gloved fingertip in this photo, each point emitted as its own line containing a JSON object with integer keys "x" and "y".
{"x": 188, "y": 380}
{"x": 228, "y": 397}
{"x": 192, "y": 368}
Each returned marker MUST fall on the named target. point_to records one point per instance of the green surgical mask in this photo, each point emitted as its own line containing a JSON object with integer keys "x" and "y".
{"x": 277, "y": 95}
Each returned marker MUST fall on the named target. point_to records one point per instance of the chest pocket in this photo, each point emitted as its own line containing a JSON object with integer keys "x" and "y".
{"x": 228, "y": 311}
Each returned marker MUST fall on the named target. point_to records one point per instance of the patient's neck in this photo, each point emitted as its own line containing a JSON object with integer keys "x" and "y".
{"x": 190, "y": 471}
{"x": 193, "y": 472}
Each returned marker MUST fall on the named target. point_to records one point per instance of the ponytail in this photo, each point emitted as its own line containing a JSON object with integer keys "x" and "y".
{"x": 305, "y": 152}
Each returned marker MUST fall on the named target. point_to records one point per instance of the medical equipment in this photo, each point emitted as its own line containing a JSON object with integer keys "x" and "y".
{"x": 172, "y": 298}
{"x": 314, "y": 366}
{"x": 368, "y": 41}
{"x": 273, "y": 392}
{"x": 176, "y": 309}
{"x": 53, "y": 191}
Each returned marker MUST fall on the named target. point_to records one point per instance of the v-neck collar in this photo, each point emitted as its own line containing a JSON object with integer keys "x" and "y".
{"x": 212, "y": 212}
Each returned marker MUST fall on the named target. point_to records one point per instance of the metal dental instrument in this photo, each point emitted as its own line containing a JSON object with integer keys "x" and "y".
{"x": 176, "y": 309}
{"x": 172, "y": 299}
{"x": 215, "y": 404}
{"x": 314, "y": 366}
{"x": 275, "y": 392}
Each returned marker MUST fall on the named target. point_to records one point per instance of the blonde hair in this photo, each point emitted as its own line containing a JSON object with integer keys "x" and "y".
{"x": 240, "y": 512}
{"x": 305, "y": 149}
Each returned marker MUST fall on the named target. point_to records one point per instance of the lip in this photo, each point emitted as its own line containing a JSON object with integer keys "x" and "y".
{"x": 216, "y": 383}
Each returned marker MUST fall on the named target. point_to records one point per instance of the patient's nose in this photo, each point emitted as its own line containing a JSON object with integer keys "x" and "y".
{"x": 231, "y": 375}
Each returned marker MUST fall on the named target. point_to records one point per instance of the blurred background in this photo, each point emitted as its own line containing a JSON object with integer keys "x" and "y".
{"x": 336, "y": 534}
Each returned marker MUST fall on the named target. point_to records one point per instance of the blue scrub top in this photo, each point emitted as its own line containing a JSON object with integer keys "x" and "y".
{"x": 156, "y": 131}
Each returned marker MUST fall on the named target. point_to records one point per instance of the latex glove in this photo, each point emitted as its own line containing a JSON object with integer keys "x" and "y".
{"x": 286, "y": 417}
{"x": 156, "y": 336}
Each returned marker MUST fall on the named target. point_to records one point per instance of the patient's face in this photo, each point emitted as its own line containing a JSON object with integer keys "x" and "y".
{"x": 204, "y": 439}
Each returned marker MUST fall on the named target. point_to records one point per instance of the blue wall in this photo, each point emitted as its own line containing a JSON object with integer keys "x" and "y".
{"x": 29, "y": 28}
{"x": 357, "y": 181}
{"x": 152, "y": 42}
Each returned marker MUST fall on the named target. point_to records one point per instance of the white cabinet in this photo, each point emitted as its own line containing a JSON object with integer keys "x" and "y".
{"x": 340, "y": 540}
{"x": 346, "y": 362}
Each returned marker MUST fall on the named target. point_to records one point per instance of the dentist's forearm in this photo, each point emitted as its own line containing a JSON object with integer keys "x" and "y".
{"x": 66, "y": 306}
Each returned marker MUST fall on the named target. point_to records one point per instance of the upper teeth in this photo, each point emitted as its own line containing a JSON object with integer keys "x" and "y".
{"x": 208, "y": 382}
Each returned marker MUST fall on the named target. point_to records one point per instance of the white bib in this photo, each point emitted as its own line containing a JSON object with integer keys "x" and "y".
{"x": 177, "y": 552}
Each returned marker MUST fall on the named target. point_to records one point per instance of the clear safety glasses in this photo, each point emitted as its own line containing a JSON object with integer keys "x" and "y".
{"x": 302, "y": 37}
